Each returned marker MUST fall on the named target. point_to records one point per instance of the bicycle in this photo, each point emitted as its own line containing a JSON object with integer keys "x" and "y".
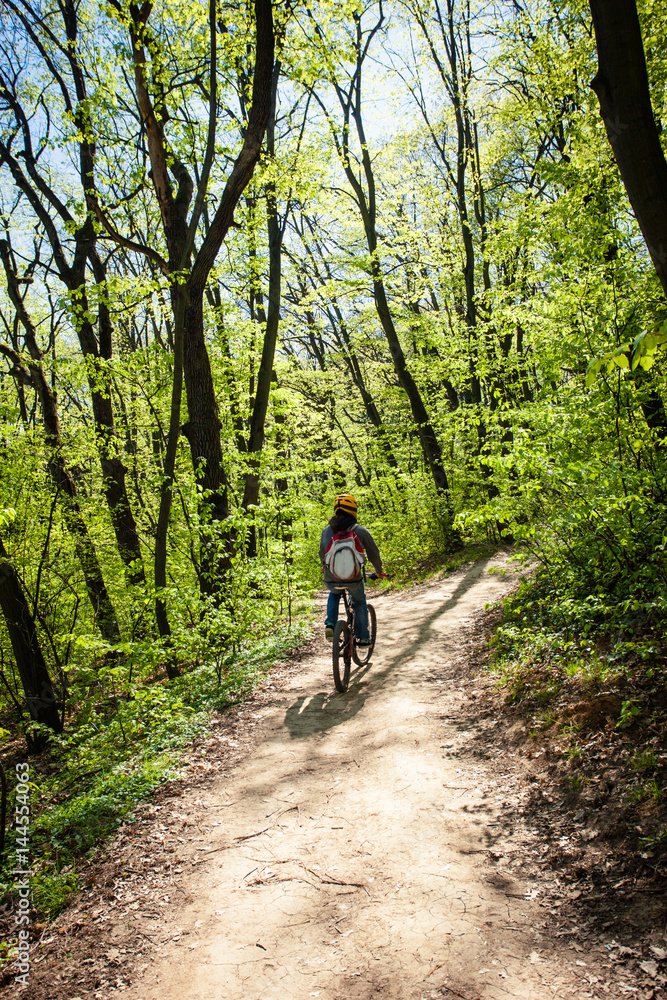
{"x": 345, "y": 644}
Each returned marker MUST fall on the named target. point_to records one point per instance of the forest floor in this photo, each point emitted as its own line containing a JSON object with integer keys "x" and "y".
{"x": 400, "y": 841}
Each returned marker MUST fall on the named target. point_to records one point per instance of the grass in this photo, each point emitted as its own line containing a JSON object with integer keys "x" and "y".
{"x": 90, "y": 778}
{"x": 437, "y": 565}
{"x": 590, "y": 668}
{"x": 122, "y": 742}
{"x": 646, "y": 758}
{"x": 589, "y": 678}
{"x": 646, "y": 790}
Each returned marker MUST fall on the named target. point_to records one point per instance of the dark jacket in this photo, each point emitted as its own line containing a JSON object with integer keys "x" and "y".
{"x": 344, "y": 523}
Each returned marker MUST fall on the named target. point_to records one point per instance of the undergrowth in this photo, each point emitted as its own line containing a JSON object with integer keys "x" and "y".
{"x": 116, "y": 751}
{"x": 589, "y": 673}
{"x": 128, "y": 726}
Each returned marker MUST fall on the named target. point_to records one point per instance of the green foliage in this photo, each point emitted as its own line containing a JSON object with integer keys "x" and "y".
{"x": 646, "y": 790}
{"x": 119, "y": 748}
{"x": 659, "y": 840}
{"x": 53, "y": 889}
{"x": 645, "y": 759}
{"x": 642, "y": 353}
{"x": 630, "y": 713}
{"x": 527, "y": 312}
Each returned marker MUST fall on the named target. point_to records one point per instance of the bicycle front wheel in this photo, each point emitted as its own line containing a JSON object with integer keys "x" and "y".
{"x": 341, "y": 656}
{"x": 362, "y": 654}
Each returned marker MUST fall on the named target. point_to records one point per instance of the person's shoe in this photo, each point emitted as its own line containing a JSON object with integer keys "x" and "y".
{"x": 363, "y": 642}
{"x": 328, "y": 632}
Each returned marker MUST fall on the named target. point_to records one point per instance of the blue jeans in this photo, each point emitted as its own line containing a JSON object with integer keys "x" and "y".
{"x": 356, "y": 592}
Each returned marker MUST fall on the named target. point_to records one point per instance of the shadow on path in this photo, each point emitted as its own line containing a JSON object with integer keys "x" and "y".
{"x": 327, "y": 709}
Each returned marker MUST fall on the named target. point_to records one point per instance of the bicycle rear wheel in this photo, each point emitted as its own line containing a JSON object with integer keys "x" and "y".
{"x": 362, "y": 654}
{"x": 341, "y": 656}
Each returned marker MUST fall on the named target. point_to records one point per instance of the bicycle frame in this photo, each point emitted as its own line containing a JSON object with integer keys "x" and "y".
{"x": 345, "y": 647}
{"x": 349, "y": 606}
{"x": 349, "y": 610}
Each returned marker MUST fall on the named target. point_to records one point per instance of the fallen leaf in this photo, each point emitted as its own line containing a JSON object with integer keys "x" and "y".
{"x": 660, "y": 953}
{"x": 649, "y": 967}
{"x": 534, "y": 958}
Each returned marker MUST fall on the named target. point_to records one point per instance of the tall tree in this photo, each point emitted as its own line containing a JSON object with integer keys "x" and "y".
{"x": 314, "y": 278}
{"x": 32, "y": 373}
{"x": 174, "y": 188}
{"x": 57, "y": 48}
{"x": 359, "y": 172}
{"x": 446, "y": 28}
{"x": 622, "y": 87}
{"x": 276, "y": 223}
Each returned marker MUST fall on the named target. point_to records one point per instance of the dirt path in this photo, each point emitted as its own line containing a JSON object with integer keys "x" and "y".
{"x": 354, "y": 853}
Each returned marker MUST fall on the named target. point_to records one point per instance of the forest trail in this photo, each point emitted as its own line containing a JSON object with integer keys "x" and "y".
{"x": 365, "y": 846}
{"x": 348, "y": 857}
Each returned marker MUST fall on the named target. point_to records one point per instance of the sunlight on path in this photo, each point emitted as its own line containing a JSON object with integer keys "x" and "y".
{"x": 352, "y": 863}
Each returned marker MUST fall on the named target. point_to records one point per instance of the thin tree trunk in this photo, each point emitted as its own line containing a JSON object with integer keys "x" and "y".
{"x": 342, "y": 335}
{"x": 265, "y": 372}
{"x": 366, "y": 201}
{"x": 427, "y": 436}
{"x": 74, "y": 278}
{"x": 113, "y": 469}
{"x": 285, "y": 521}
{"x": 169, "y": 467}
{"x": 94, "y": 348}
{"x": 352, "y": 361}
{"x": 214, "y": 300}
{"x": 202, "y": 431}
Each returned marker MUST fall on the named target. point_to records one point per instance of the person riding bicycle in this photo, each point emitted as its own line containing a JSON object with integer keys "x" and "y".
{"x": 345, "y": 520}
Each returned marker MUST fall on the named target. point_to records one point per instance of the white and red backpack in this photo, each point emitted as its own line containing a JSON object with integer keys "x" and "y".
{"x": 344, "y": 556}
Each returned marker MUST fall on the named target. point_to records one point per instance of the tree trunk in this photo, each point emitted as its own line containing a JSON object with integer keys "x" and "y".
{"x": 203, "y": 426}
{"x": 342, "y": 335}
{"x": 285, "y": 522}
{"x": 40, "y": 697}
{"x": 366, "y": 200}
{"x": 622, "y": 87}
{"x": 74, "y": 278}
{"x": 113, "y": 469}
{"x": 427, "y": 436}
{"x": 214, "y": 300}
{"x": 202, "y": 431}
{"x": 74, "y": 275}
{"x": 265, "y": 373}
